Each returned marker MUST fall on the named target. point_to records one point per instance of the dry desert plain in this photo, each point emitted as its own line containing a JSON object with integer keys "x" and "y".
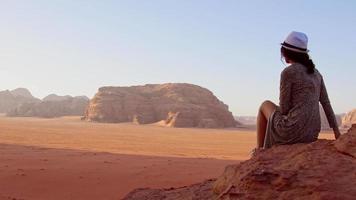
{"x": 66, "y": 158}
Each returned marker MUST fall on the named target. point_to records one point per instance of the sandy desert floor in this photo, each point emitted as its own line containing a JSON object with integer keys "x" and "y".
{"x": 66, "y": 158}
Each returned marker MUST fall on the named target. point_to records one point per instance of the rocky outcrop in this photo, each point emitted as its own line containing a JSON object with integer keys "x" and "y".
{"x": 324, "y": 169}
{"x": 349, "y": 118}
{"x": 57, "y": 107}
{"x": 10, "y": 99}
{"x": 171, "y": 104}
{"x": 200, "y": 191}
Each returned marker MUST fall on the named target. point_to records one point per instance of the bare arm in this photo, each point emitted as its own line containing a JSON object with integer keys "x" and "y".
{"x": 325, "y": 102}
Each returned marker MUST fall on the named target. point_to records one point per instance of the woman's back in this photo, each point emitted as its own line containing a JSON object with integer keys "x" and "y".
{"x": 299, "y": 100}
{"x": 298, "y": 117}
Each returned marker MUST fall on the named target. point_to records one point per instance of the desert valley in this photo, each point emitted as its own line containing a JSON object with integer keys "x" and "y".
{"x": 152, "y": 136}
{"x": 177, "y": 100}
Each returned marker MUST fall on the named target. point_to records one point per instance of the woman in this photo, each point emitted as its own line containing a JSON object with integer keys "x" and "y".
{"x": 297, "y": 118}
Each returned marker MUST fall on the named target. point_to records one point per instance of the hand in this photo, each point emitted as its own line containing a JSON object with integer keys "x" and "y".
{"x": 337, "y": 132}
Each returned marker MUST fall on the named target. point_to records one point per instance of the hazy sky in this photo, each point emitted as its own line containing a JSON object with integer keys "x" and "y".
{"x": 230, "y": 47}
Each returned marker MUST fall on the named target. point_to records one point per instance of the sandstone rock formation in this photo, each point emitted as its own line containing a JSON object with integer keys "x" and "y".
{"x": 52, "y": 107}
{"x": 349, "y": 119}
{"x": 171, "y": 104}
{"x": 12, "y": 99}
{"x": 325, "y": 169}
{"x": 54, "y": 97}
{"x": 22, "y": 92}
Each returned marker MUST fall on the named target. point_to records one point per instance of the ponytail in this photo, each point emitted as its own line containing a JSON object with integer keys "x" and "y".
{"x": 308, "y": 63}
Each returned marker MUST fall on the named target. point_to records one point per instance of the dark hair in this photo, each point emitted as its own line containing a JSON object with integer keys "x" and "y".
{"x": 302, "y": 58}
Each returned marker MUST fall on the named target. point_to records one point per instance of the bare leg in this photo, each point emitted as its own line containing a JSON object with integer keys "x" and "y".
{"x": 265, "y": 111}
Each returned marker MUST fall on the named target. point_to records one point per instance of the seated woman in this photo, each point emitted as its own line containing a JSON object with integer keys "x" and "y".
{"x": 297, "y": 118}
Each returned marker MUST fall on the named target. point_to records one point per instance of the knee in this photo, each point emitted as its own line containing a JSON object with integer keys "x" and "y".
{"x": 265, "y": 103}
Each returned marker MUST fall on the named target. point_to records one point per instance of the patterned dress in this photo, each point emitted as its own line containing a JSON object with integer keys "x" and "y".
{"x": 297, "y": 118}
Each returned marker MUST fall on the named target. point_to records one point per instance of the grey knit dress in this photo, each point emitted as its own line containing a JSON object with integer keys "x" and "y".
{"x": 297, "y": 118}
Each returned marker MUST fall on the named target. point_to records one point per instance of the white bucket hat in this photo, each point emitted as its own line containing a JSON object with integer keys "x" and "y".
{"x": 297, "y": 42}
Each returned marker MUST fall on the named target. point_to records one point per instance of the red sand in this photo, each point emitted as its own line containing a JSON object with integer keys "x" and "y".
{"x": 42, "y": 173}
{"x": 69, "y": 159}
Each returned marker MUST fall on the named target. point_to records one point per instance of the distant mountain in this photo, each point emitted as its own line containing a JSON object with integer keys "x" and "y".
{"x": 54, "y": 97}
{"x": 22, "y": 92}
{"x": 12, "y": 99}
{"x": 246, "y": 120}
{"x": 324, "y": 121}
{"x": 53, "y": 106}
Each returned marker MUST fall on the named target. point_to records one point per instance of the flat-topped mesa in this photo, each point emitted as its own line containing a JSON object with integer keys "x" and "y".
{"x": 170, "y": 104}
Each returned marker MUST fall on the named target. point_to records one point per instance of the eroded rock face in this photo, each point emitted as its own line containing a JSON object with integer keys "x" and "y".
{"x": 57, "y": 107}
{"x": 171, "y": 104}
{"x": 10, "y": 99}
{"x": 349, "y": 118}
{"x": 347, "y": 145}
{"x": 307, "y": 171}
{"x": 324, "y": 169}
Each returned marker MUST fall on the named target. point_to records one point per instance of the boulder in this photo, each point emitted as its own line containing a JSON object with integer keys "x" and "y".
{"x": 171, "y": 104}
{"x": 325, "y": 169}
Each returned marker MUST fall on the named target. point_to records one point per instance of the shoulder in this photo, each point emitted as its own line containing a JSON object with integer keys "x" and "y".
{"x": 318, "y": 73}
{"x": 291, "y": 70}
{"x": 297, "y": 70}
